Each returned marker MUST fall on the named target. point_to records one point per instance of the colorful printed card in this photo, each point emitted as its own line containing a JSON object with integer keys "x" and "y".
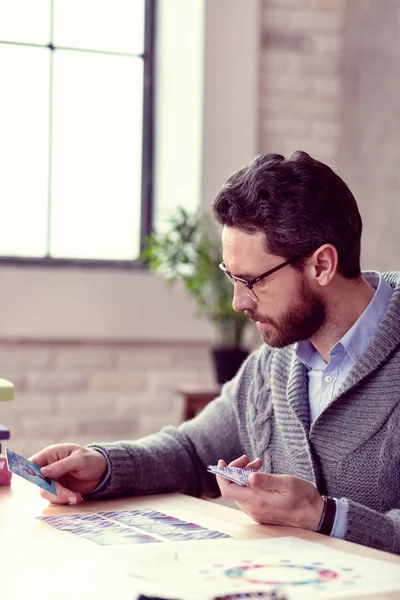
{"x": 30, "y": 471}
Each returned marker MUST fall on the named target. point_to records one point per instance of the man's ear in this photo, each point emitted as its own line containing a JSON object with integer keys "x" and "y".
{"x": 324, "y": 264}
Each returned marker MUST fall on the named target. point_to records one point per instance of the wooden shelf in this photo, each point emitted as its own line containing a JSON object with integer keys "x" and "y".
{"x": 197, "y": 396}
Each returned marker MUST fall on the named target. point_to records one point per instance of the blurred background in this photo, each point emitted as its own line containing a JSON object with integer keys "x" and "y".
{"x": 115, "y": 113}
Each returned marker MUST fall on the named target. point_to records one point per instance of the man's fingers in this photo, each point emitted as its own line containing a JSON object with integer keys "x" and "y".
{"x": 232, "y": 490}
{"x": 243, "y": 463}
{"x": 255, "y": 464}
{"x": 229, "y": 489}
{"x": 240, "y": 462}
{"x": 51, "y": 454}
{"x": 268, "y": 482}
{"x": 64, "y": 496}
{"x": 40, "y": 458}
{"x": 61, "y": 467}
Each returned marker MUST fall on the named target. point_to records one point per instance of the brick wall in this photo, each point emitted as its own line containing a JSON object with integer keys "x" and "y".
{"x": 370, "y": 139}
{"x": 300, "y": 76}
{"x": 87, "y": 392}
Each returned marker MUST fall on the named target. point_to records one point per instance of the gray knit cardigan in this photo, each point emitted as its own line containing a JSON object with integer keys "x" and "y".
{"x": 352, "y": 450}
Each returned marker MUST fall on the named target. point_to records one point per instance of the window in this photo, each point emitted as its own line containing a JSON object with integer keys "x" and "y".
{"x": 76, "y": 82}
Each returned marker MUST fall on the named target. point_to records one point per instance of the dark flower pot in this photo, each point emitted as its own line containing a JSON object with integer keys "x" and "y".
{"x": 227, "y": 362}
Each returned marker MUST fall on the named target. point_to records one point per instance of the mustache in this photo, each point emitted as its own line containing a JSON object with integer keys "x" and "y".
{"x": 255, "y": 317}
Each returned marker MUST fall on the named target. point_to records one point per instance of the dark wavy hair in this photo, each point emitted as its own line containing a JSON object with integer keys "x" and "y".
{"x": 299, "y": 204}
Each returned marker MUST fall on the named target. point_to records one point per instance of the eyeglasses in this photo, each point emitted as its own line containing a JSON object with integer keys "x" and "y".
{"x": 249, "y": 284}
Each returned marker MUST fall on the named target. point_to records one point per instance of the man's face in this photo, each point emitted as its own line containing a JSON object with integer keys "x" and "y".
{"x": 289, "y": 309}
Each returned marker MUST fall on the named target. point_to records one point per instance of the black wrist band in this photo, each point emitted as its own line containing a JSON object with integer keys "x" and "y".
{"x": 327, "y": 519}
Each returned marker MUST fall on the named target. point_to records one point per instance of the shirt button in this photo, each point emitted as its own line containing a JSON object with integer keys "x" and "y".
{"x": 328, "y": 379}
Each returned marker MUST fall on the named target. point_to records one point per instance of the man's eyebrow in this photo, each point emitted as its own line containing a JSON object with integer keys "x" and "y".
{"x": 248, "y": 276}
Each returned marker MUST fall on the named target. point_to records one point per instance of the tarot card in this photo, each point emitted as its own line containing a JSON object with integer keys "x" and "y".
{"x": 30, "y": 471}
{"x": 120, "y": 539}
{"x": 235, "y": 474}
{"x": 78, "y": 524}
{"x": 142, "y": 518}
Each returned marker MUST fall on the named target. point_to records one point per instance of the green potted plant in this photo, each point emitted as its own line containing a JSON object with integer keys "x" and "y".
{"x": 189, "y": 250}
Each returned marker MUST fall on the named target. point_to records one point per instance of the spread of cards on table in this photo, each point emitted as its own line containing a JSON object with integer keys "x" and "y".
{"x": 235, "y": 474}
{"x": 130, "y": 527}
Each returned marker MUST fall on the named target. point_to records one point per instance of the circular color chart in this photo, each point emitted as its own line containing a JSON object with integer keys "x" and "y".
{"x": 282, "y": 574}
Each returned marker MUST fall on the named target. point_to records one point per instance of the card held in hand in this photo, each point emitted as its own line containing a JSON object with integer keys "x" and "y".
{"x": 236, "y": 474}
{"x": 30, "y": 471}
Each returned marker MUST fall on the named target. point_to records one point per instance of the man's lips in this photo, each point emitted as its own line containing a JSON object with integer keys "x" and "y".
{"x": 256, "y": 319}
{"x": 260, "y": 323}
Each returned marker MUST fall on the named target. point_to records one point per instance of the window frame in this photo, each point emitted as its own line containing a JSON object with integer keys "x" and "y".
{"x": 146, "y": 221}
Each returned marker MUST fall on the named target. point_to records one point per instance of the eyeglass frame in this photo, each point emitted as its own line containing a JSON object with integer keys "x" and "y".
{"x": 249, "y": 284}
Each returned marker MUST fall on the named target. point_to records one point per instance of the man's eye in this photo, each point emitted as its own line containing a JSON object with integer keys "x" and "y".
{"x": 261, "y": 282}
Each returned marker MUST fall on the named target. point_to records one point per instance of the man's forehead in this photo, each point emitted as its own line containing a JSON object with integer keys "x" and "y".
{"x": 239, "y": 244}
{"x": 244, "y": 252}
{"x": 231, "y": 236}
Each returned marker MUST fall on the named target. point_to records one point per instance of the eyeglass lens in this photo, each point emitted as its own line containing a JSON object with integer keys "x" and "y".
{"x": 248, "y": 291}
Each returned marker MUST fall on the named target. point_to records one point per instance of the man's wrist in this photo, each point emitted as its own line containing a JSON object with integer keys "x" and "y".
{"x": 106, "y": 465}
{"x": 310, "y": 518}
{"x": 106, "y": 474}
{"x": 309, "y": 515}
{"x": 327, "y": 518}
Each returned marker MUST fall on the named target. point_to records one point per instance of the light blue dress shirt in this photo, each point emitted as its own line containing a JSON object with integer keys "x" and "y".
{"x": 325, "y": 379}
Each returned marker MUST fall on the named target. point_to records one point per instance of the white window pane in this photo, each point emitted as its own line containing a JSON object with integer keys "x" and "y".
{"x": 110, "y": 25}
{"x": 24, "y": 135}
{"x": 97, "y": 155}
{"x": 25, "y": 21}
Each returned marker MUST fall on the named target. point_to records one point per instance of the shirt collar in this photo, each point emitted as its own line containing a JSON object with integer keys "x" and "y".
{"x": 357, "y": 338}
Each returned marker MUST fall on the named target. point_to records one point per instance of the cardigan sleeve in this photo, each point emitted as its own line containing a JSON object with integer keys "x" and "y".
{"x": 176, "y": 459}
{"x": 372, "y": 528}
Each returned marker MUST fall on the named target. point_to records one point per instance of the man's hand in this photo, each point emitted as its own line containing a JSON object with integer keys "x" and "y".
{"x": 76, "y": 470}
{"x": 274, "y": 499}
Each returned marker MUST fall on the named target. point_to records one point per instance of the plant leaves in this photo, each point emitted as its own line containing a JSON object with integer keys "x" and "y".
{"x": 189, "y": 250}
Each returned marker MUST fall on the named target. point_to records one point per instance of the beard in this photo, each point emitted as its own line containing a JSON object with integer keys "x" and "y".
{"x": 300, "y": 322}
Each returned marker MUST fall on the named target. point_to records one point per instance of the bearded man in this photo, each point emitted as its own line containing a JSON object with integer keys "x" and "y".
{"x": 315, "y": 411}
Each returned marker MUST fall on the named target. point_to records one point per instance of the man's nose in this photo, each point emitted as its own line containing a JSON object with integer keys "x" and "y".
{"x": 241, "y": 300}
